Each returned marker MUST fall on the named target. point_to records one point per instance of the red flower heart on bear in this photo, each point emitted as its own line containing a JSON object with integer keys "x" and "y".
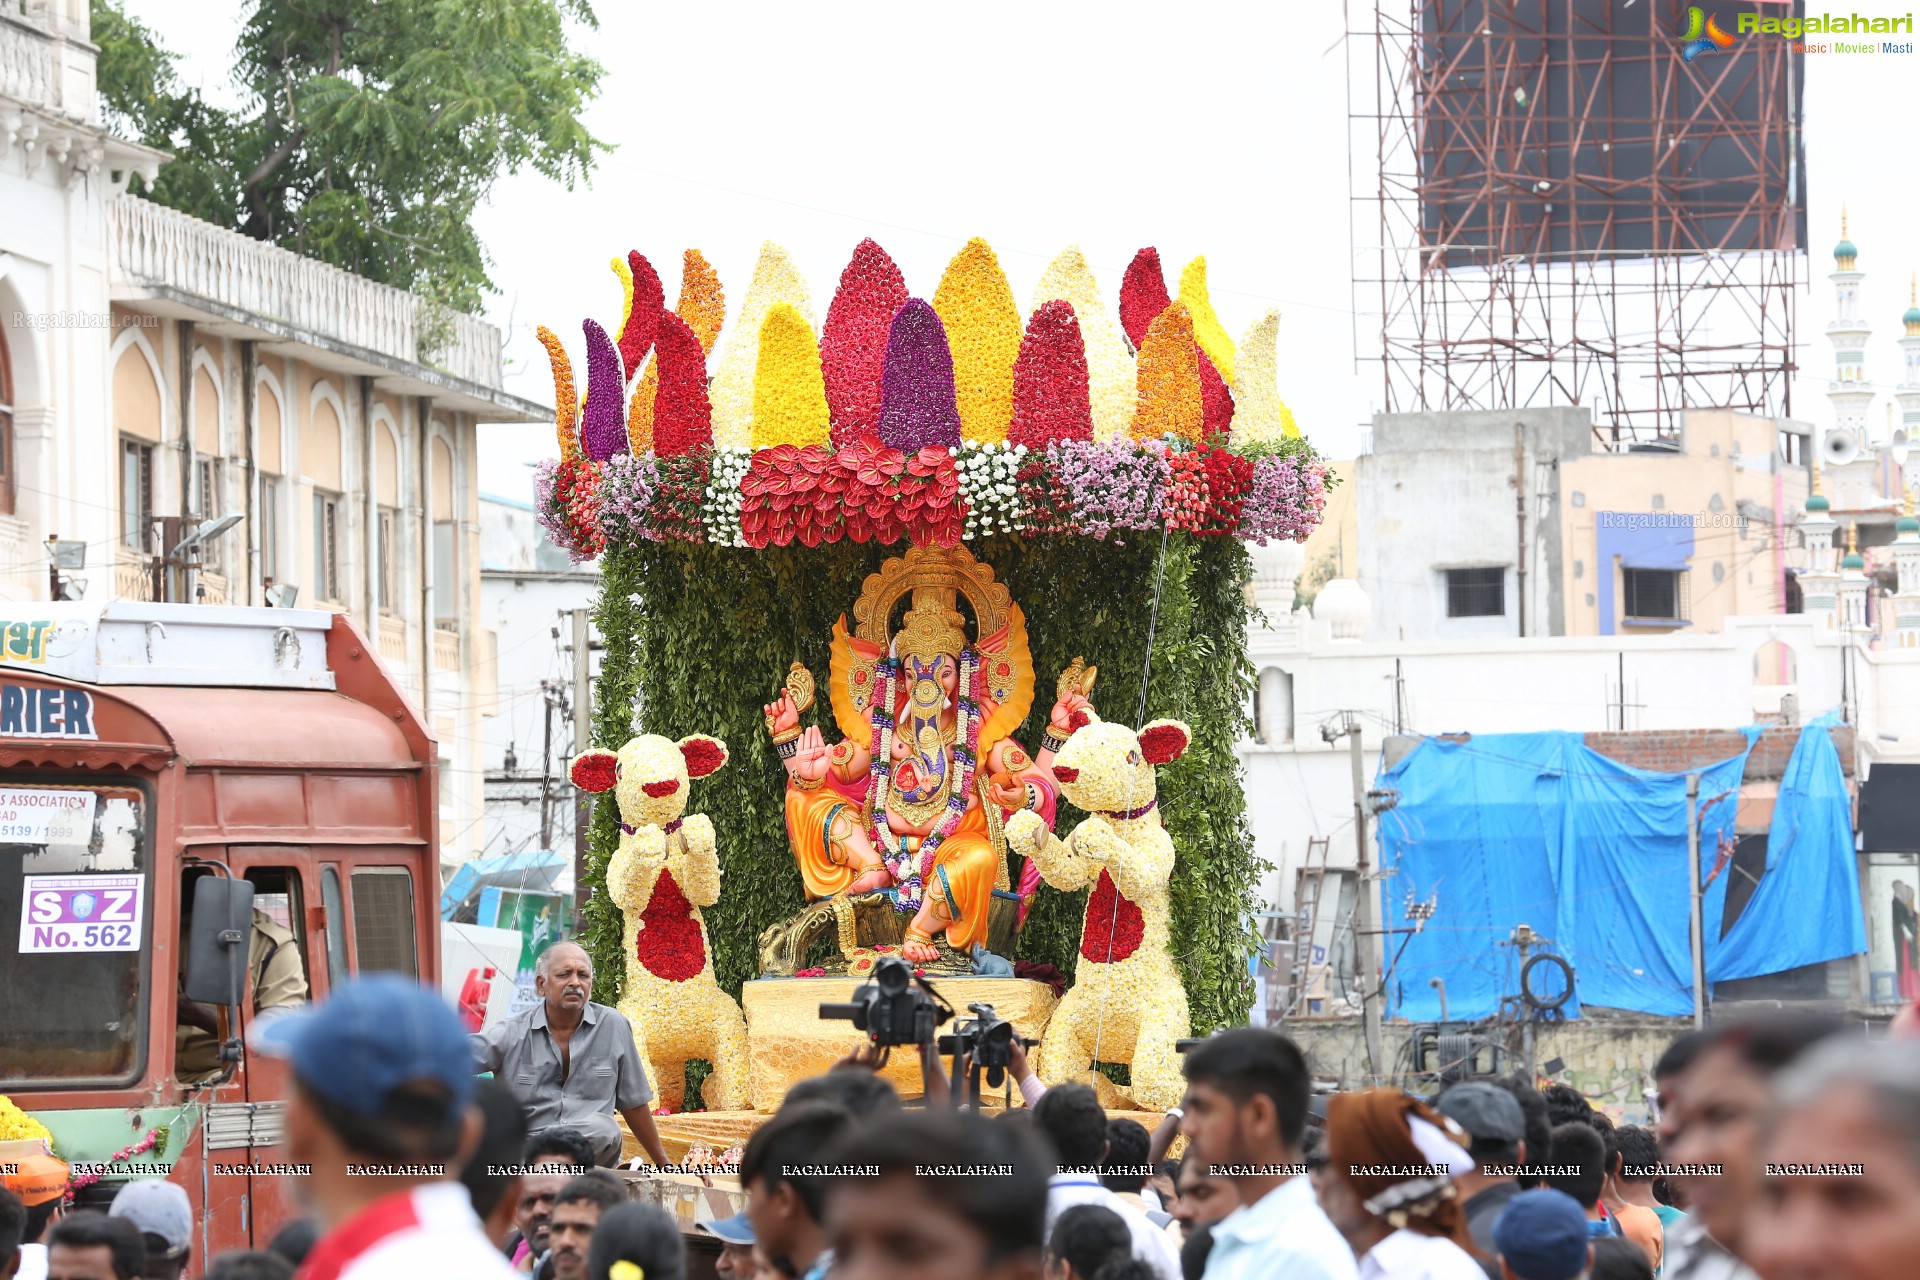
{"x": 1114, "y": 924}
{"x": 669, "y": 945}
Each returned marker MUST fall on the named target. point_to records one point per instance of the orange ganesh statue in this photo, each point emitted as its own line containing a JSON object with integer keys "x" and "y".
{"x": 911, "y": 801}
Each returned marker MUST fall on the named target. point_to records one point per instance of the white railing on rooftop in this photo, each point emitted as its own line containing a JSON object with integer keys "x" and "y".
{"x": 161, "y": 247}
{"x": 30, "y": 66}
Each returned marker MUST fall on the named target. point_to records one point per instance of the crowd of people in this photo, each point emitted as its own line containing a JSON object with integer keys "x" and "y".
{"x": 1786, "y": 1148}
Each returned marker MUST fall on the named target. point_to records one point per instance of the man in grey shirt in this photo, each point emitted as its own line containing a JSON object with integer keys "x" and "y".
{"x": 573, "y": 1063}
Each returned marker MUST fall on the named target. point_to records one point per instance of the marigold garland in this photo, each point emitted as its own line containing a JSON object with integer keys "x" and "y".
{"x": 976, "y": 305}
{"x": 16, "y": 1124}
{"x": 1207, "y": 329}
{"x": 789, "y": 393}
{"x": 775, "y": 280}
{"x": 1051, "y": 400}
{"x": 682, "y": 416}
{"x": 646, "y": 303}
{"x": 1143, "y": 295}
{"x": 703, "y": 303}
{"x": 853, "y": 345}
{"x": 917, "y": 405}
{"x": 565, "y": 409}
{"x": 1069, "y": 279}
{"x": 1169, "y": 380}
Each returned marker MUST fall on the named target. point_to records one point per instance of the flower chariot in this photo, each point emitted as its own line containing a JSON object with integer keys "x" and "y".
{"x": 844, "y": 561}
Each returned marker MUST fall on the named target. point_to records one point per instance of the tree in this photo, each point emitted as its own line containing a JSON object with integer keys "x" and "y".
{"x": 368, "y": 130}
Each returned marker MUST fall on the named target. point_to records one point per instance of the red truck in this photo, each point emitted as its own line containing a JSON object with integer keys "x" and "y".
{"x": 145, "y": 748}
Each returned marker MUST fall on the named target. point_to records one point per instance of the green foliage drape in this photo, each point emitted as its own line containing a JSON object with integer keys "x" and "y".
{"x": 699, "y": 637}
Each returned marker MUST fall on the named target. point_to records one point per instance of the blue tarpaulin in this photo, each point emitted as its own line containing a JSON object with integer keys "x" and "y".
{"x": 1537, "y": 828}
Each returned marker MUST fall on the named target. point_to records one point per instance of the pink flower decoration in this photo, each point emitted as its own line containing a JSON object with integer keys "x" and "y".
{"x": 853, "y": 343}
{"x": 1050, "y": 397}
{"x": 603, "y": 425}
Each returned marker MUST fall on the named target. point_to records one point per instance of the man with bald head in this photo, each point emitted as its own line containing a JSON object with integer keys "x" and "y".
{"x": 573, "y": 1062}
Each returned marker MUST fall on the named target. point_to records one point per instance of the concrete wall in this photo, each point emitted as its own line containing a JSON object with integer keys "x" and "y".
{"x": 1727, "y": 491}
{"x": 1439, "y": 491}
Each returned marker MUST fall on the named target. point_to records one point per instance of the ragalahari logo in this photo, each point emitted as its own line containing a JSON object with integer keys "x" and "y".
{"x": 1703, "y": 35}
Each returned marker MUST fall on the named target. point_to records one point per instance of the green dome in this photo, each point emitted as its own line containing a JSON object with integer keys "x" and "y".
{"x": 1818, "y": 502}
{"x": 1845, "y": 249}
{"x": 1853, "y": 560}
{"x": 1912, "y": 316}
{"x": 1906, "y": 524}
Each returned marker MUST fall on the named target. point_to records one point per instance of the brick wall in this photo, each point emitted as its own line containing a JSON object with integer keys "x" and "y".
{"x": 1682, "y": 750}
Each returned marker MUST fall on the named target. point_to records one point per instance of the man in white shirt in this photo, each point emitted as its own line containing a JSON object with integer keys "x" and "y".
{"x": 1072, "y": 1120}
{"x": 1388, "y": 1187}
{"x": 1244, "y": 1112}
{"x": 382, "y": 1111}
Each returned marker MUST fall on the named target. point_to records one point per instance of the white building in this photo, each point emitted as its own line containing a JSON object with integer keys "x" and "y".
{"x": 529, "y": 590}
{"x": 153, "y": 366}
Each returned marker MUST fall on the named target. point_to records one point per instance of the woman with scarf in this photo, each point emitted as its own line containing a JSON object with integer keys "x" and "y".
{"x": 1388, "y": 1186}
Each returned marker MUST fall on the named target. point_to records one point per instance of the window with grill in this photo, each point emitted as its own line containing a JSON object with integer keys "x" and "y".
{"x": 270, "y": 526}
{"x": 326, "y": 546}
{"x": 383, "y": 921}
{"x": 1653, "y": 595}
{"x": 136, "y": 493}
{"x": 389, "y": 598}
{"x": 1476, "y": 593}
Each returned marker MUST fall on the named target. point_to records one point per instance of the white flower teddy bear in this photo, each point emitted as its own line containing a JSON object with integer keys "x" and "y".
{"x": 665, "y": 870}
{"x": 1127, "y": 1003}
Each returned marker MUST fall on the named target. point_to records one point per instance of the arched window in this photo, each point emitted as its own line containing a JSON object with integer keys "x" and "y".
{"x": 136, "y": 420}
{"x": 320, "y": 462}
{"x": 271, "y": 461}
{"x": 386, "y": 487}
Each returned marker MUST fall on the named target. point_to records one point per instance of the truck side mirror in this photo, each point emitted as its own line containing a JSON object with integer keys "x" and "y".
{"x": 218, "y": 940}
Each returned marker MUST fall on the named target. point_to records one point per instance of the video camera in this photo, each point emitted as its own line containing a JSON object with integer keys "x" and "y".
{"x": 889, "y": 1008}
{"x": 986, "y": 1041}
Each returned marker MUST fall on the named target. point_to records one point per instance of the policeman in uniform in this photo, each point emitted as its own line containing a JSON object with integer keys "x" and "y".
{"x": 279, "y": 981}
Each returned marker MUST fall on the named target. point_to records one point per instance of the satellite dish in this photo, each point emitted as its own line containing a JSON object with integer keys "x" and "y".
{"x": 1839, "y": 447}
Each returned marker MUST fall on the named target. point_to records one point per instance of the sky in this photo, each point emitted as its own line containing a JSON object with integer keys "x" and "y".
{"x": 1207, "y": 128}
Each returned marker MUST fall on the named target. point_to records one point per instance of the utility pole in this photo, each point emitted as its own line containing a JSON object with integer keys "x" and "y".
{"x": 1365, "y": 927}
{"x": 582, "y": 739}
{"x": 546, "y": 770}
{"x": 1697, "y": 929}
{"x": 1520, "y": 516}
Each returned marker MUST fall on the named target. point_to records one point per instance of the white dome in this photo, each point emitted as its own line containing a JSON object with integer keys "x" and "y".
{"x": 1276, "y": 568}
{"x": 1344, "y": 607}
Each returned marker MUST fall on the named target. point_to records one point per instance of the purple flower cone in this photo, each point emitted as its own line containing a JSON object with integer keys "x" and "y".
{"x": 603, "y": 424}
{"x": 917, "y": 404}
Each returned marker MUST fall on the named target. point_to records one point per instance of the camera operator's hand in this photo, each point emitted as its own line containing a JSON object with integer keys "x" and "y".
{"x": 934, "y": 1074}
{"x": 869, "y": 1056}
{"x": 1017, "y": 1060}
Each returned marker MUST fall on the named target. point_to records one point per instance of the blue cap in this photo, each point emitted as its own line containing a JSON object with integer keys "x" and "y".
{"x": 370, "y": 1036}
{"x": 1542, "y": 1234}
{"x": 734, "y": 1230}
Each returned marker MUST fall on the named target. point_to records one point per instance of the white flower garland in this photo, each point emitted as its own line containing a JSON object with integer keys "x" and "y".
{"x": 989, "y": 481}
{"x": 720, "y": 509}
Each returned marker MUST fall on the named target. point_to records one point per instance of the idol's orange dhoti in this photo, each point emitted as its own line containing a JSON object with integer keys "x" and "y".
{"x": 960, "y": 886}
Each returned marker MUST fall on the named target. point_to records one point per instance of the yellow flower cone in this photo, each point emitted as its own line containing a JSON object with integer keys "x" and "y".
{"x": 1168, "y": 379}
{"x": 640, "y": 410}
{"x": 789, "y": 391}
{"x": 775, "y": 280}
{"x": 976, "y": 305}
{"x": 1207, "y": 329}
{"x": 1259, "y": 416}
{"x": 1110, "y": 376}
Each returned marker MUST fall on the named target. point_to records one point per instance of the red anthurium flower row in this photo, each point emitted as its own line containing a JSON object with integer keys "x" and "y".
{"x": 865, "y": 492}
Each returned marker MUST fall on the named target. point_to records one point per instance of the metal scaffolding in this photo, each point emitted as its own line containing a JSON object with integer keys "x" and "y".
{"x": 1565, "y": 212}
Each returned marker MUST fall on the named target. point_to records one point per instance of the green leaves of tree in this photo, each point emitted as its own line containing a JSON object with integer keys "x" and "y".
{"x": 369, "y": 130}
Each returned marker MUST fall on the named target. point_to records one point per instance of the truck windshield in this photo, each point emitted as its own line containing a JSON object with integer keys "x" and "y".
{"x": 74, "y": 864}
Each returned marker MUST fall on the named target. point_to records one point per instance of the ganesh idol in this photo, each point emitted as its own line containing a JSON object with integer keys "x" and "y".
{"x": 912, "y": 799}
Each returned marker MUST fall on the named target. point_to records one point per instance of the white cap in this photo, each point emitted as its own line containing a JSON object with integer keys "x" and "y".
{"x": 158, "y": 1208}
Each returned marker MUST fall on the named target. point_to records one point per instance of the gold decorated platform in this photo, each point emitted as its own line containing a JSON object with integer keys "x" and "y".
{"x": 787, "y": 1040}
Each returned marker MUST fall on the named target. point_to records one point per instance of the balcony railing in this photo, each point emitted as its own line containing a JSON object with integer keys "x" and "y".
{"x": 30, "y": 67}
{"x": 132, "y": 575}
{"x": 446, "y": 649}
{"x": 160, "y": 247}
{"x": 393, "y": 641}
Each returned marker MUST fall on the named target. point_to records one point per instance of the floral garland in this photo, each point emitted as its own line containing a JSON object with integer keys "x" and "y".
{"x": 720, "y": 510}
{"x": 567, "y": 505}
{"x": 627, "y": 486}
{"x": 1114, "y": 489}
{"x": 1284, "y": 500}
{"x": 155, "y": 1137}
{"x": 680, "y": 496}
{"x": 16, "y": 1124}
{"x": 990, "y": 485}
{"x": 910, "y": 873}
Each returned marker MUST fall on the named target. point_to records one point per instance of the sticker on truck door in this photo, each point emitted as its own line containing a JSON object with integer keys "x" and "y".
{"x": 81, "y": 913}
{"x": 44, "y": 815}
